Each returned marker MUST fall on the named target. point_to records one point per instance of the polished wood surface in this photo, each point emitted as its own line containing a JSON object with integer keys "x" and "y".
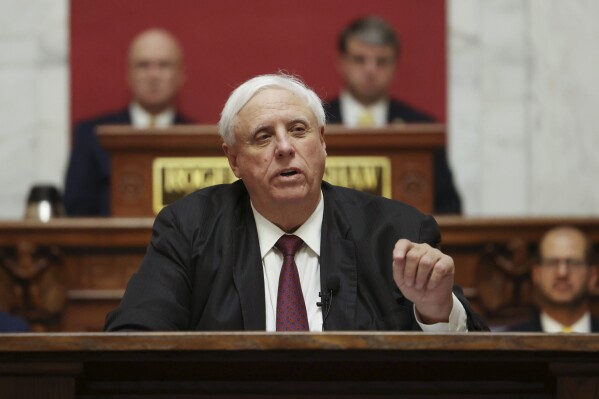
{"x": 67, "y": 274}
{"x": 37, "y": 343}
{"x": 409, "y": 147}
{"x": 299, "y": 365}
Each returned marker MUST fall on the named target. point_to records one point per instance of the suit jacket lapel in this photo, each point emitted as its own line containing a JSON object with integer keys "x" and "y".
{"x": 338, "y": 257}
{"x": 248, "y": 276}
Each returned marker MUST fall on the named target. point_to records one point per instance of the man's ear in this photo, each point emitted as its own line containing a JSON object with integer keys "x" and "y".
{"x": 231, "y": 155}
{"x": 324, "y": 144}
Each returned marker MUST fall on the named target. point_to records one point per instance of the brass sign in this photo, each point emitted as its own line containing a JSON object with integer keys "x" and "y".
{"x": 174, "y": 178}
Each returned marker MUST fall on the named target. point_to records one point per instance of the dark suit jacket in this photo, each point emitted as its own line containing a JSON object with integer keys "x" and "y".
{"x": 12, "y": 324}
{"x": 446, "y": 197}
{"x": 534, "y": 324}
{"x": 87, "y": 186}
{"x": 203, "y": 269}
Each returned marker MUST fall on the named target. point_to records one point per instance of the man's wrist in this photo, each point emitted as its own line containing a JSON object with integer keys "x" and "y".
{"x": 458, "y": 319}
{"x": 435, "y": 314}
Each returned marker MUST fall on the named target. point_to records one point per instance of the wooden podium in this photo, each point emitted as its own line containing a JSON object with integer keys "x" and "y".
{"x": 299, "y": 365}
{"x": 409, "y": 149}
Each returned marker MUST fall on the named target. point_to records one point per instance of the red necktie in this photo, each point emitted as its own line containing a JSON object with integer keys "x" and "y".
{"x": 291, "y": 309}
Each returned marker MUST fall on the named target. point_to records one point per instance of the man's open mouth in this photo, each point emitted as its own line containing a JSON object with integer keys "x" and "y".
{"x": 289, "y": 173}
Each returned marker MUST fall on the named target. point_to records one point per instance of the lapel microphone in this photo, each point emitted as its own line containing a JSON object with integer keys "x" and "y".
{"x": 326, "y": 298}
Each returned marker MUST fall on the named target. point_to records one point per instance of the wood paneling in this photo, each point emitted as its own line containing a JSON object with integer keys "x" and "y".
{"x": 299, "y": 365}
{"x": 408, "y": 147}
{"x": 67, "y": 274}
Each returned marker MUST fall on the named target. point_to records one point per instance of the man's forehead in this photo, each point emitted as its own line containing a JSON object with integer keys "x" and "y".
{"x": 561, "y": 241}
{"x": 274, "y": 103}
{"x": 155, "y": 48}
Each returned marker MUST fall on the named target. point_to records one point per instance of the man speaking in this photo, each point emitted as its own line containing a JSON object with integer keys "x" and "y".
{"x": 255, "y": 254}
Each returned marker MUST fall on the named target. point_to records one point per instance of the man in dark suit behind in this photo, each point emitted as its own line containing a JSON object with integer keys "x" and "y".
{"x": 155, "y": 74}
{"x": 12, "y": 324}
{"x": 368, "y": 52}
{"x": 563, "y": 280}
{"x": 254, "y": 255}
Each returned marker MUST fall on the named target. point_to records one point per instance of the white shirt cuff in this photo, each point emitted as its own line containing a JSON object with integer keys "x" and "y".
{"x": 457, "y": 320}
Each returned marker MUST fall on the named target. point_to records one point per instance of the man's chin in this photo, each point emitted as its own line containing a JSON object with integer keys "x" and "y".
{"x": 566, "y": 302}
{"x": 292, "y": 195}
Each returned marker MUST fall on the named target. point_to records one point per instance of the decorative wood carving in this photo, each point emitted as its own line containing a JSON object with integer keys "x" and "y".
{"x": 36, "y": 281}
{"x": 503, "y": 279}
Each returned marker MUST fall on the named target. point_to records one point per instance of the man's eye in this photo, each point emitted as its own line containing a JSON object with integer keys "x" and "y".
{"x": 383, "y": 62}
{"x": 142, "y": 65}
{"x": 262, "y": 137}
{"x": 298, "y": 131}
{"x": 358, "y": 59}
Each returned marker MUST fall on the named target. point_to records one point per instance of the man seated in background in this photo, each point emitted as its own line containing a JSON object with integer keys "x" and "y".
{"x": 368, "y": 53}
{"x": 563, "y": 280}
{"x": 254, "y": 255}
{"x": 155, "y": 74}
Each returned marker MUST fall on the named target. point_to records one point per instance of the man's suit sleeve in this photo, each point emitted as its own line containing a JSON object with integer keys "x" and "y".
{"x": 158, "y": 296}
{"x": 80, "y": 179}
{"x": 87, "y": 175}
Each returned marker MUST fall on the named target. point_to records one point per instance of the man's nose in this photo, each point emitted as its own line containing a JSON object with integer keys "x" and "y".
{"x": 284, "y": 145}
{"x": 563, "y": 268}
{"x": 153, "y": 70}
{"x": 371, "y": 64}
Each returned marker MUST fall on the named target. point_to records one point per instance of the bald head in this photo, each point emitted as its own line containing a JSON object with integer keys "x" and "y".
{"x": 155, "y": 69}
{"x": 564, "y": 276}
{"x": 565, "y": 239}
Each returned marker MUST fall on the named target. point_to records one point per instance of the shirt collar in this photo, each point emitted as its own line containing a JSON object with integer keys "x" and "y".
{"x": 140, "y": 118}
{"x": 309, "y": 232}
{"x": 351, "y": 109}
{"x": 550, "y": 325}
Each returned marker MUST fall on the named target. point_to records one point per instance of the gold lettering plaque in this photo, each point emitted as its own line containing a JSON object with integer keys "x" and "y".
{"x": 369, "y": 174}
{"x": 174, "y": 178}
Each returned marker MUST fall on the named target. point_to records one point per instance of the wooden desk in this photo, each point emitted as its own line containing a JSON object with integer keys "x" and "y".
{"x": 408, "y": 147}
{"x": 317, "y": 365}
{"x": 67, "y": 274}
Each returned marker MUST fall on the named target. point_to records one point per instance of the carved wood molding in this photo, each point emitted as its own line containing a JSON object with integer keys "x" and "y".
{"x": 33, "y": 284}
{"x": 503, "y": 279}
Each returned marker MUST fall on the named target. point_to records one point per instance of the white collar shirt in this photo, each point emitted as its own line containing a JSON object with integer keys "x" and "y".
{"x": 550, "y": 325}
{"x": 142, "y": 119}
{"x": 307, "y": 260}
{"x": 351, "y": 109}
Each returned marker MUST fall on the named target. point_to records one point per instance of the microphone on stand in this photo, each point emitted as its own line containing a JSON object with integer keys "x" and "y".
{"x": 326, "y": 298}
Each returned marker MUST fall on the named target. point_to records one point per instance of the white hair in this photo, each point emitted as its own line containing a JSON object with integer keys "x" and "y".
{"x": 244, "y": 93}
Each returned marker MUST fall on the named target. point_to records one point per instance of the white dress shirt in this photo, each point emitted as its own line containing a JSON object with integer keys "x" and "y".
{"x": 308, "y": 267}
{"x": 351, "y": 109}
{"x": 550, "y": 325}
{"x": 141, "y": 119}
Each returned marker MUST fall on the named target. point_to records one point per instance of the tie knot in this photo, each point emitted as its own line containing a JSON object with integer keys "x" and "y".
{"x": 366, "y": 118}
{"x": 567, "y": 329}
{"x": 289, "y": 244}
